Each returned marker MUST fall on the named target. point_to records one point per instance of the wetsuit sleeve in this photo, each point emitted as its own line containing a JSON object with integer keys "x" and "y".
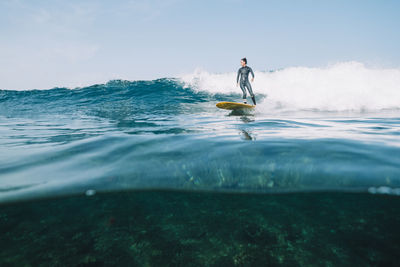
{"x": 252, "y": 73}
{"x": 238, "y": 75}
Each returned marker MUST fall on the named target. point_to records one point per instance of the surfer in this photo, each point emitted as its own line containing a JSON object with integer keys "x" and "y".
{"x": 243, "y": 73}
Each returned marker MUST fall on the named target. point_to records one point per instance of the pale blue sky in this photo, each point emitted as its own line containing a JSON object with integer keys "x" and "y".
{"x": 47, "y": 43}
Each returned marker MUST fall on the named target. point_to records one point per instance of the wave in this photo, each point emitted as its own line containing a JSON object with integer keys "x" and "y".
{"x": 348, "y": 86}
{"x": 340, "y": 87}
{"x": 115, "y": 98}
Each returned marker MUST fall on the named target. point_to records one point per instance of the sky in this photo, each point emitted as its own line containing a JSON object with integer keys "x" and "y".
{"x": 54, "y": 43}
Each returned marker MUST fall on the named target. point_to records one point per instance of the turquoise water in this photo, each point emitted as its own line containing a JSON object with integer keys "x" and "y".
{"x": 162, "y": 135}
{"x": 66, "y": 149}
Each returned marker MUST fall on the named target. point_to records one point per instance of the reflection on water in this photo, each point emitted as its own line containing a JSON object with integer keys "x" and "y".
{"x": 246, "y": 135}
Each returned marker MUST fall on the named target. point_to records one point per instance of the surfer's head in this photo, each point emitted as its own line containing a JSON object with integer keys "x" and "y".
{"x": 243, "y": 62}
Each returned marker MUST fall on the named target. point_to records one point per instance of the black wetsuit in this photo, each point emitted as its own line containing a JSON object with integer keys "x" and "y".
{"x": 243, "y": 73}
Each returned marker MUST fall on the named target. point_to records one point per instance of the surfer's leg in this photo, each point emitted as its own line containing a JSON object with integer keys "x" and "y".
{"x": 244, "y": 92}
{"x": 248, "y": 85}
{"x": 254, "y": 100}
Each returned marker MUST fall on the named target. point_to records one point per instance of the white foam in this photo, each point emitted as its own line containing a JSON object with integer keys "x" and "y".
{"x": 339, "y": 87}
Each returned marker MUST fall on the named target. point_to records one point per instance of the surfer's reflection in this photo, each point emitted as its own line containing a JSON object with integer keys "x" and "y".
{"x": 246, "y": 119}
{"x": 246, "y": 136}
{"x": 244, "y": 133}
{"x": 241, "y": 112}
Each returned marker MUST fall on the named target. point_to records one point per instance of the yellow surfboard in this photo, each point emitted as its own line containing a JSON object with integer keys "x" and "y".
{"x": 234, "y": 105}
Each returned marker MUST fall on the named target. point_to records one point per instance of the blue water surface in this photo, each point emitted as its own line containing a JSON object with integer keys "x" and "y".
{"x": 159, "y": 134}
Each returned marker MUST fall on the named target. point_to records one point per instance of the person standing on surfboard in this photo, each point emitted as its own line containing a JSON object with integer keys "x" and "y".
{"x": 243, "y": 73}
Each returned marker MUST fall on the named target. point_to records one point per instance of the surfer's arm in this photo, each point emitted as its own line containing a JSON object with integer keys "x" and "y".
{"x": 237, "y": 78}
{"x": 252, "y": 74}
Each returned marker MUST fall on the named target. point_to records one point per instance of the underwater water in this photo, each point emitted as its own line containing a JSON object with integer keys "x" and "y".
{"x": 166, "y": 228}
{"x": 152, "y": 173}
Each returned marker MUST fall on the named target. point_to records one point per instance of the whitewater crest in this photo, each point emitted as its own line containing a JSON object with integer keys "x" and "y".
{"x": 339, "y": 87}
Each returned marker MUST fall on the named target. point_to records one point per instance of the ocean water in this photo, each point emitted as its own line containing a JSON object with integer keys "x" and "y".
{"x": 310, "y": 177}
